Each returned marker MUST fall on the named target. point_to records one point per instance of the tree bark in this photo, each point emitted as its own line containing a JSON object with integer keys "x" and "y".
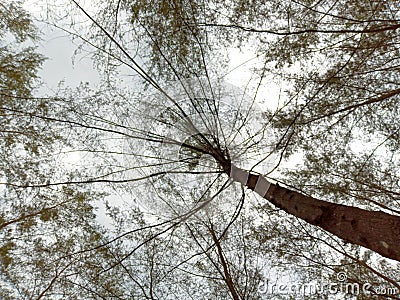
{"x": 375, "y": 230}
{"x": 227, "y": 278}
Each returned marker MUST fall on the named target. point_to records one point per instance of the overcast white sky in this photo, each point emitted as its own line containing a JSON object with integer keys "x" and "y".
{"x": 60, "y": 66}
{"x": 57, "y": 46}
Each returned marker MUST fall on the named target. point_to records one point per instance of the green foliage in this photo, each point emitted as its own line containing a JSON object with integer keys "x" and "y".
{"x": 17, "y": 21}
{"x": 39, "y": 226}
{"x": 5, "y": 255}
{"x": 18, "y": 68}
{"x": 172, "y": 34}
{"x": 339, "y": 63}
{"x": 17, "y": 72}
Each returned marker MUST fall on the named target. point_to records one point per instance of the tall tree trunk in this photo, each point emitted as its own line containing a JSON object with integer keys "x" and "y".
{"x": 374, "y": 230}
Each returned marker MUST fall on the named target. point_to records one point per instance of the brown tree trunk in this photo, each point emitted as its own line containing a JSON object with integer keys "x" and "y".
{"x": 374, "y": 230}
{"x": 228, "y": 278}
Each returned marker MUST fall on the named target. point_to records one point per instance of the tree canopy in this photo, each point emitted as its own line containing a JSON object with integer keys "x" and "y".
{"x": 172, "y": 183}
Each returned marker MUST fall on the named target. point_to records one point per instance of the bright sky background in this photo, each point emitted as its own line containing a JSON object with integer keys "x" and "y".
{"x": 60, "y": 66}
{"x": 63, "y": 66}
